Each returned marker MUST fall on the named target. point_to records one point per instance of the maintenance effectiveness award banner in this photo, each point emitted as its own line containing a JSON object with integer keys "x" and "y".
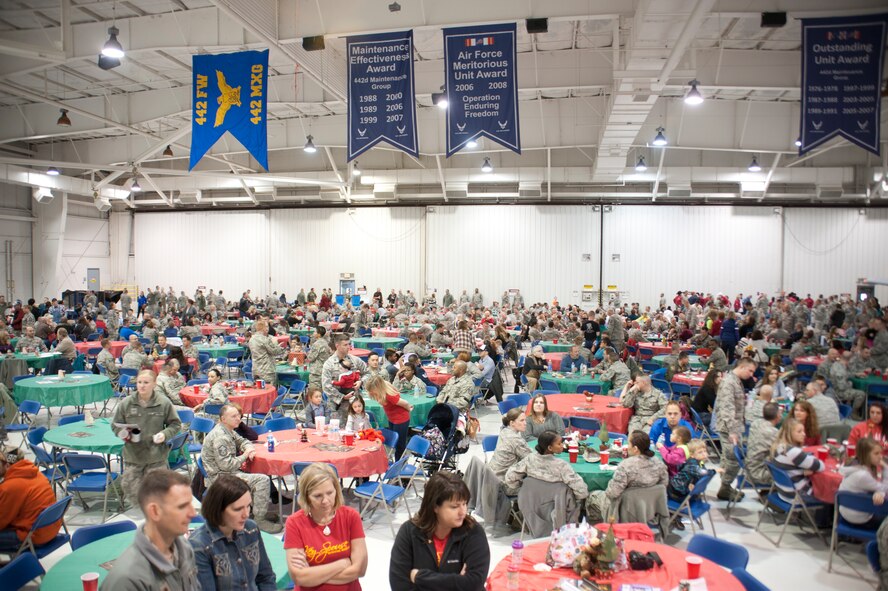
{"x": 380, "y": 92}
{"x": 482, "y": 86}
{"x": 841, "y": 80}
{"x": 230, "y": 94}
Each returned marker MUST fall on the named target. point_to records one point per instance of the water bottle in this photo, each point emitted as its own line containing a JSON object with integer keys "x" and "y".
{"x": 517, "y": 552}
{"x": 416, "y": 391}
{"x": 271, "y": 443}
{"x": 550, "y": 367}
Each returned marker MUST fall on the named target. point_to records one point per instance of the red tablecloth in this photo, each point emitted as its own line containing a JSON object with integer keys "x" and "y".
{"x": 575, "y": 405}
{"x": 116, "y": 347}
{"x": 211, "y": 329}
{"x": 362, "y": 353}
{"x": 386, "y": 332}
{"x": 661, "y": 349}
{"x": 334, "y": 326}
{"x": 439, "y": 379}
{"x": 666, "y": 577}
{"x": 691, "y": 379}
{"x": 250, "y": 400}
{"x": 826, "y": 483}
{"x": 554, "y": 359}
{"x": 282, "y": 339}
{"x": 809, "y": 359}
{"x": 366, "y": 458}
{"x": 158, "y": 364}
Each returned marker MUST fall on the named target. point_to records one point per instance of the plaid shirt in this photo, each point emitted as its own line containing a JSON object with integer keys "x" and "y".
{"x": 463, "y": 340}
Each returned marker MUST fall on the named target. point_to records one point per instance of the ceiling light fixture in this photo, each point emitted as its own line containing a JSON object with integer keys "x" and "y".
{"x": 798, "y": 142}
{"x": 394, "y": 7}
{"x": 640, "y": 166}
{"x": 660, "y": 139}
{"x": 440, "y": 100}
{"x": 168, "y": 152}
{"x": 693, "y": 97}
{"x": 309, "y": 145}
{"x": 53, "y": 171}
{"x": 112, "y": 47}
{"x": 486, "y": 167}
{"x": 135, "y": 187}
{"x": 472, "y": 144}
{"x": 63, "y": 119}
{"x": 754, "y": 165}
{"x": 356, "y": 171}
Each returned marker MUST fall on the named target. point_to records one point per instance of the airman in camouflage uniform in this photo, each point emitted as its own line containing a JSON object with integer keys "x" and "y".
{"x": 264, "y": 351}
{"x": 29, "y": 341}
{"x": 459, "y": 389}
{"x": 317, "y": 355}
{"x": 730, "y": 408}
{"x": 648, "y": 402}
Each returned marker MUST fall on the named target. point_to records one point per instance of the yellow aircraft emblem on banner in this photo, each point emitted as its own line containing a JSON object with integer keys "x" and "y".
{"x": 228, "y": 96}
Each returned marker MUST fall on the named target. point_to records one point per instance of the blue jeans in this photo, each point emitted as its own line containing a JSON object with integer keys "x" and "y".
{"x": 9, "y": 540}
{"x": 402, "y": 429}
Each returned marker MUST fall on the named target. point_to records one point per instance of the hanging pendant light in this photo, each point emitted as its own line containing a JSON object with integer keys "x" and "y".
{"x": 660, "y": 139}
{"x": 798, "y": 142}
{"x": 640, "y": 166}
{"x": 309, "y": 145}
{"x": 53, "y": 171}
{"x": 63, "y": 119}
{"x": 168, "y": 152}
{"x": 754, "y": 165}
{"x": 693, "y": 97}
{"x": 472, "y": 144}
{"x": 486, "y": 167}
{"x": 112, "y": 47}
{"x": 356, "y": 171}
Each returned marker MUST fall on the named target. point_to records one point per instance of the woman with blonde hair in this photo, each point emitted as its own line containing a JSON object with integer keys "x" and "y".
{"x": 868, "y": 477}
{"x": 787, "y": 453}
{"x": 395, "y": 408}
{"x": 324, "y": 540}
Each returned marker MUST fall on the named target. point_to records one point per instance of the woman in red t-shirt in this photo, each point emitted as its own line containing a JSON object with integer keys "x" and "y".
{"x": 325, "y": 545}
{"x": 876, "y": 426}
{"x": 396, "y": 409}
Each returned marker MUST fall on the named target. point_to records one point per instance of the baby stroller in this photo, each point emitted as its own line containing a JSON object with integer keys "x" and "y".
{"x": 442, "y": 432}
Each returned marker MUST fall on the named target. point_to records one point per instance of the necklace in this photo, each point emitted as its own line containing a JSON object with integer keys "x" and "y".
{"x": 326, "y": 529}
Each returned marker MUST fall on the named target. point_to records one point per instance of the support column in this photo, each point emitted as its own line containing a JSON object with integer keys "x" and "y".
{"x": 47, "y": 242}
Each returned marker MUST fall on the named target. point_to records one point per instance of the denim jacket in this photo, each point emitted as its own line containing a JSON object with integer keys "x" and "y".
{"x": 224, "y": 564}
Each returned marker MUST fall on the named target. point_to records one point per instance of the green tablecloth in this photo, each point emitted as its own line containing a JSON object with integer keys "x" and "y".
{"x": 418, "y": 416}
{"x": 219, "y": 350}
{"x": 568, "y": 383}
{"x": 98, "y": 438}
{"x": 446, "y": 356}
{"x": 37, "y": 360}
{"x": 288, "y": 371}
{"x": 559, "y": 347}
{"x": 386, "y": 342}
{"x": 303, "y": 332}
{"x": 592, "y": 474}
{"x": 862, "y": 383}
{"x": 769, "y": 351}
{"x": 695, "y": 361}
{"x": 65, "y": 575}
{"x": 74, "y": 390}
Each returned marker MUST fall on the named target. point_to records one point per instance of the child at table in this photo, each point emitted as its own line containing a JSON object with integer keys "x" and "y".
{"x": 348, "y": 379}
{"x": 682, "y": 483}
{"x": 315, "y": 407}
{"x": 677, "y": 455}
{"x": 296, "y": 357}
{"x": 358, "y": 418}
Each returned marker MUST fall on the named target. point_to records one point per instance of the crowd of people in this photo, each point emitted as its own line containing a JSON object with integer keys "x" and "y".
{"x": 748, "y": 399}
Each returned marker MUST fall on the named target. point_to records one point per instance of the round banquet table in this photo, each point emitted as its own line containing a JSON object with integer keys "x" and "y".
{"x": 282, "y": 339}
{"x": 864, "y": 382}
{"x": 826, "y": 483}
{"x": 73, "y": 390}
{"x": 211, "y": 329}
{"x": 302, "y": 332}
{"x": 366, "y": 458}
{"x": 661, "y": 349}
{"x": 575, "y": 405}
{"x": 37, "y": 360}
{"x": 809, "y": 359}
{"x": 159, "y": 363}
{"x": 96, "y": 438}
{"x": 116, "y": 347}
{"x": 445, "y": 356}
{"x": 694, "y": 359}
{"x": 219, "y": 350}
{"x": 591, "y": 472}
{"x": 334, "y": 326}
{"x": 553, "y": 347}
{"x": 554, "y": 359}
{"x": 694, "y": 379}
{"x": 287, "y": 371}
{"x": 251, "y": 400}
{"x": 360, "y": 353}
{"x": 95, "y": 557}
{"x": 664, "y": 577}
{"x": 418, "y": 416}
{"x": 384, "y": 342}
{"x": 568, "y": 382}
{"x": 386, "y": 332}
{"x": 436, "y": 376}
{"x": 773, "y": 350}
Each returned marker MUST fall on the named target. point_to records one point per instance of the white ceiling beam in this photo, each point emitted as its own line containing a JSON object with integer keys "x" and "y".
{"x": 149, "y": 179}
{"x": 770, "y": 175}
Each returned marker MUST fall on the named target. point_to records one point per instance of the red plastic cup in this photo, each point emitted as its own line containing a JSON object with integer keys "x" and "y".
{"x": 822, "y": 453}
{"x": 349, "y": 439}
{"x": 90, "y": 581}
{"x": 851, "y": 449}
{"x": 554, "y": 341}
{"x": 832, "y": 441}
{"x": 605, "y": 456}
{"x": 885, "y": 377}
{"x": 694, "y": 564}
{"x": 573, "y": 452}
{"x": 196, "y": 389}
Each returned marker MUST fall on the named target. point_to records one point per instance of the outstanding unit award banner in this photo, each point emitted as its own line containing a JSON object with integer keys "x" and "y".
{"x": 482, "y": 86}
{"x": 229, "y": 94}
{"x": 841, "y": 80}
{"x": 380, "y": 92}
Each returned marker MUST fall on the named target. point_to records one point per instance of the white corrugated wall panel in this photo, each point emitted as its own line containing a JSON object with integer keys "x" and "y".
{"x": 664, "y": 249}
{"x": 537, "y": 249}
{"x": 16, "y": 201}
{"x": 827, "y": 250}
{"x": 221, "y": 250}
{"x": 86, "y": 246}
{"x": 382, "y": 246}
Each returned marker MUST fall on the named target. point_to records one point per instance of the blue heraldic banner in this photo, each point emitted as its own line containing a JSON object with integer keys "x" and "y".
{"x": 229, "y": 93}
{"x": 380, "y": 92}
{"x": 482, "y": 86}
{"x": 841, "y": 80}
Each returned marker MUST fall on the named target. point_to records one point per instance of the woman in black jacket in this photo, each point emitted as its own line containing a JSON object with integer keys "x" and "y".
{"x": 442, "y": 548}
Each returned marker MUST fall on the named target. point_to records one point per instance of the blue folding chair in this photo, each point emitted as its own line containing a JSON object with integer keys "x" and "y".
{"x": 726, "y": 554}
{"x": 645, "y": 353}
{"x": 659, "y": 374}
{"x": 663, "y": 386}
{"x": 749, "y": 582}
{"x": 649, "y": 367}
{"x": 21, "y": 571}
{"x": 488, "y": 445}
{"x": 585, "y": 424}
{"x": 744, "y": 480}
{"x": 680, "y": 389}
{"x": 259, "y": 429}
{"x": 878, "y": 391}
{"x": 390, "y": 440}
{"x": 694, "y": 505}
{"x": 798, "y": 503}
{"x": 295, "y": 394}
{"x": 384, "y": 492}
{"x": 95, "y": 477}
{"x": 178, "y": 452}
{"x": 70, "y": 419}
{"x": 280, "y": 424}
{"x": 703, "y": 429}
{"x": 844, "y": 410}
{"x": 841, "y": 527}
{"x": 548, "y": 385}
{"x": 431, "y": 391}
{"x": 506, "y": 405}
{"x": 235, "y": 361}
{"x": 546, "y": 392}
{"x": 197, "y": 382}
{"x": 203, "y": 426}
{"x": 418, "y": 448}
{"x": 588, "y": 387}
{"x": 51, "y": 515}
{"x": 93, "y": 533}
{"x": 186, "y": 415}
{"x": 49, "y": 467}
{"x": 872, "y": 556}
{"x": 521, "y": 398}
{"x": 27, "y": 410}
{"x": 275, "y": 411}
